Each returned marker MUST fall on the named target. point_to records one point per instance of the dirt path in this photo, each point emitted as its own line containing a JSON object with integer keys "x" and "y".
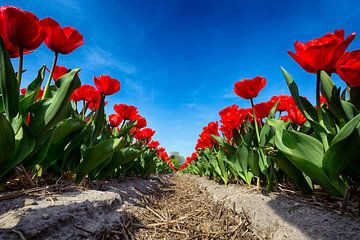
{"x": 165, "y": 207}
{"x": 180, "y": 210}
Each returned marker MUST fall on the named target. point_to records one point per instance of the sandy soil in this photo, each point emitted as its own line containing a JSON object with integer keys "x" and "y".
{"x": 166, "y": 207}
{"x": 278, "y": 217}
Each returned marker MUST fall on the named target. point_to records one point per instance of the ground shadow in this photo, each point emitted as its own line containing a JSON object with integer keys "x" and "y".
{"x": 315, "y": 222}
{"x": 79, "y": 215}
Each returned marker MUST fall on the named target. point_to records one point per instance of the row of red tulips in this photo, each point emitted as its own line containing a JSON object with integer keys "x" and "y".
{"x": 310, "y": 145}
{"x": 63, "y": 126}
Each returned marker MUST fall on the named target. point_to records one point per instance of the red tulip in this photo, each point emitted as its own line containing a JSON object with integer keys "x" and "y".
{"x": 249, "y": 88}
{"x": 145, "y": 133}
{"x": 321, "y": 53}
{"x": 125, "y": 111}
{"x": 94, "y": 106}
{"x": 141, "y": 122}
{"x": 231, "y": 116}
{"x": 205, "y": 139}
{"x": 227, "y": 132}
{"x": 262, "y": 110}
{"x": 153, "y": 144}
{"x": 322, "y": 100}
{"x": 20, "y": 30}
{"x": 107, "y": 85}
{"x": 61, "y": 40}
{"x": 86, "y": 93}
{"x": 160, "y": 150}
{"x": 115, "y": 120}
{"x": 348, "y": 68}
{"x": 284, "y": 102}
{"x": 296, "y": 116}
{"x": 285, "y": 118}
{"x": 59, "y": 71}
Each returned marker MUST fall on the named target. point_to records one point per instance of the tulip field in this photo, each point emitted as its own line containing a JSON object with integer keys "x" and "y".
{"x": 287, "y": 138}
{"x": 57, "y": 126}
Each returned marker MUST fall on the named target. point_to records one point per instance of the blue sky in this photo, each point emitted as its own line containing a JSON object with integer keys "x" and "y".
{"x": 178, "y": 60}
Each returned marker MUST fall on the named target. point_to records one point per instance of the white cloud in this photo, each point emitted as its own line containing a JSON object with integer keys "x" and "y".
{"x": 99, "y": 58}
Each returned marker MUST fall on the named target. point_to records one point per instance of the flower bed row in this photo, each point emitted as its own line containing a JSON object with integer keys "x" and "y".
{"x": 287, "y": 137}
{"x": 63, "y": 126}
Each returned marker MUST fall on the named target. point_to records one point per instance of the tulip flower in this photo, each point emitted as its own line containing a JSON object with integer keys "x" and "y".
{"x": 89, "y": 95}
{"x": 145, "y": 133}
{"x": 141, "y": 122}
{"x": 348, "y": 68}
{"x": 249, "y": 88}
{"x": 205, "y": 139}
{"x": 21, "y": 33}
{"x": 107, "y": 85}
{"x": 115, "y": 120}
{"x": 284, "y": 102}
{"x": 296, "y": 116}
{"x": 153, "y": 144}
{"x": 321, "y": 53}
{"x": 231, "y": 116}
{"x": 60, "y": 40}
{"x": 125, "y": 111}
{"x": 59, "y": 71}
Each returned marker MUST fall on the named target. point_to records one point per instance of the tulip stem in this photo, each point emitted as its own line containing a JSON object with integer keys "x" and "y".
{"x": 47, "y": 86}
{"x": 257, "y": 137}
{"x": 323, "y": 135}
{"x": 21, "y": 62}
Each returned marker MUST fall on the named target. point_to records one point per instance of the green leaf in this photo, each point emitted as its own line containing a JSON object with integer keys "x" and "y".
{"x": 344, "y": 148}
{"x": 32, "y": 91}
{"x": 65, "y": 128}
{"x": 9, "y": 86}
{"x": 296, "y": 96}
{"x": 7, "y": 140}
{"x": 292, "y": 172}
{"x": 99, "y": 119}
{"x": 96, "y": 154}
{"x": 24, "y": 145}
{"x": 55, "y": 109}
{"x": 332, "y": 95}
{"x": 119, "y": 158}
{"x": 306, "y": 153}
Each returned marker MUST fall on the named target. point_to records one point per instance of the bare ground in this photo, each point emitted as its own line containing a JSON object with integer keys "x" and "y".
{"x": 165, "y": 207}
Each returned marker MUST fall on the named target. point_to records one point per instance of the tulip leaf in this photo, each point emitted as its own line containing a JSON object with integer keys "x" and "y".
{"x": 292, "y": 172}
{"x": 50, "y": 112}
{"x": 297, "y": 98}
{"x": 119, "y": 158}
{"x": 341, "y": 109}
{"x": 306, "y": 153}
{"x": 65, "y": 128}
{"x": 9, "y": 86}
{"x": 24, "y": 145}
{"x": 7, "y": 140}
{"x": 99, "y": 119}
{"x": 344, "y": 148}
{"x": 32, "y": 91}
{"x": 305, "y": 107}
{"x": 96, "y": 154}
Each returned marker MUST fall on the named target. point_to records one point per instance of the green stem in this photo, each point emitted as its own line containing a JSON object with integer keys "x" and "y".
{"x": 47, "y": 86}
{"x": 323, "y": 135}
{"x": 257, "y": 137}
{"x": 20, "y": 66}
{"x": 255, "y": 121}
